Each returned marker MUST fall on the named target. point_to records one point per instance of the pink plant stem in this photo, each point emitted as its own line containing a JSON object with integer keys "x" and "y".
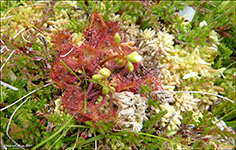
{"x": 94, "y": 94}
{"x": 89, "y": 88}
{"x": 81, "y": 76}
{"x": 117, "y": 67}
{"x": 110, "y": 58}
{"x": 94, "y": 99}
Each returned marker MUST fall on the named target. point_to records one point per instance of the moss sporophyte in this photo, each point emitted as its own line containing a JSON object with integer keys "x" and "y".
{"x": 96, "y": 69}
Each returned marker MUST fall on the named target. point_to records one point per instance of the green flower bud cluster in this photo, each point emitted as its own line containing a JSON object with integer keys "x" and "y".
{"x": 120, "y": 61}
{"x": 134, "y": 57}
{"x": 104, "y": 73}
{"x": 102, "y": 79}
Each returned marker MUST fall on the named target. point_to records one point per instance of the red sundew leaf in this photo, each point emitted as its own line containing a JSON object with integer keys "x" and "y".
{"x": 128, "y": 85}
{"x": 97, "y": 21}
{"x": 153, "y": 82}
{"x": 73, "y": 101}
{"x": 62, "y": 75}
{"x": 78, "y": 57}
{"x": 90, "y": 53}
{"x": 100, "y": 33}
{"x": 62, "y": 39}
{"x": 113, "y": 28}
{"x": 66, "y": 49}
{"x": 132, "y": 83}
{"x": 89, "y": 58}
{"x": 71, "y": 98}
{"x": 95, "y": 37}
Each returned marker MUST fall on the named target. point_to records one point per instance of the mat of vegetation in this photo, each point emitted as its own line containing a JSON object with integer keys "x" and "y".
{"x": 118, "y": 75}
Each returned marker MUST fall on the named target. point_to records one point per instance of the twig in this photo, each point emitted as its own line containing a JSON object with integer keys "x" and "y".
{"x": 222, "y": 73}
{"x": 77, "y": 137}
{"x": 12, "y": 51}
{"x": 9, "y": 86}
{"x": 6, "y": 17}
{"x": 170, "y": 119}
{"x": 3, "y": 46}
{"x": 44, "y": 41}
{"x": 95, "y": 143}
{"x": 7, "y": 60}
{"x": 1, "y": 51}
{"x": 67, "y": 52}
{"x": 2, "y": 144}
{"x": 227, "y": 81}
{"x": 24, "y": 37}
{"x": 18, "y": 33}
{"x": 229, "y": 66}
{"x": 24, "y": 97}
{"x": 198, "y": 93}
{"x": 7, "y": 130}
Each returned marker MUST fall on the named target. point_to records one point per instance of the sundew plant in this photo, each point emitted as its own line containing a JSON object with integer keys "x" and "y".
{"x": 117, "y": 75}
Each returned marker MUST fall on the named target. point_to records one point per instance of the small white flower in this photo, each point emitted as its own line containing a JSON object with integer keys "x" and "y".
{"x": 203, "y": 23}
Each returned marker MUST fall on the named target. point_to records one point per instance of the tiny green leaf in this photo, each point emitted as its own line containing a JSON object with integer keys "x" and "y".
{"x": 130, "y": 66}
{"x": 105, "y": 72}
{"x": 105, "y": 90}
{"x": 134, "y": 57}
{"x": 117, "y": 38}
{"x": 97, "y": 77}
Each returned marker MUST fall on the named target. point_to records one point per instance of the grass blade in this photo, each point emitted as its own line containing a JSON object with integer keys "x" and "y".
{"x": 71, "y": 71}
{"x": 63, "y": 134}
{"x": 161, "y": 138}
{"x": 85, "y": 101}
{"x": 52, "y": 136}
{"x": 99, "y": 137}
{"x": 85, "y": 95}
